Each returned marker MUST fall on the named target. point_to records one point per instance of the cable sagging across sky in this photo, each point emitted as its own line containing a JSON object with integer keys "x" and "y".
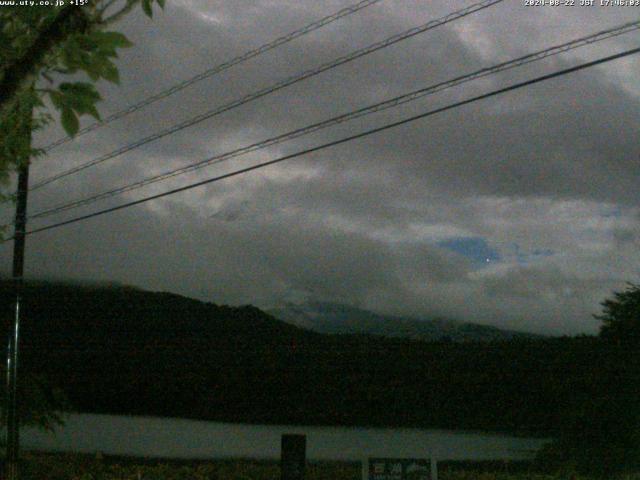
{"x": 396, "y": 101}
{"x": 217, "y": 69}
{"x": 342, "y": 140}
{"x": 274, "y": 88}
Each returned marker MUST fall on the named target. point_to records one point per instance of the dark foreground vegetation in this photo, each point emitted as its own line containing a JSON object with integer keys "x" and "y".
{"x": 36, "y": 466}
{"x": 127, "y": 351}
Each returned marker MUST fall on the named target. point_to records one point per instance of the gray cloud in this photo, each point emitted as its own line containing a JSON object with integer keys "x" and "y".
{"x": 552, "y": 168}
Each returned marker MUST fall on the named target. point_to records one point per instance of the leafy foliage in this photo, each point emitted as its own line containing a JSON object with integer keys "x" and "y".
{"x": 69, "y": 466}
{"x": 621, "y": 316}
{"x": 40, "y": 403}
{"x": 44, "y": 44}
{"x": 600, "y": 432}
{"x": 72, "y": 99}
{"x": 15, "y": 144}
{"x": 40, "y": 45}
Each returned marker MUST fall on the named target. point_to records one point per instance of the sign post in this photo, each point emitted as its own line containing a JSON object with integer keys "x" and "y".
{"x": 293, "y": 457}
{"x": 399, "y": 469}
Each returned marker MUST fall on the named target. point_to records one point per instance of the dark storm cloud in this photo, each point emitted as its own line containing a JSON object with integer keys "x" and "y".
{"x": 551, "y": 168}
{"x": 269, "y": 258}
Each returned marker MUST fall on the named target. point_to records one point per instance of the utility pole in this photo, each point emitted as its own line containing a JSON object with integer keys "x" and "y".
{"x": 13, "y": 428}
{"x": 11, "y": 407}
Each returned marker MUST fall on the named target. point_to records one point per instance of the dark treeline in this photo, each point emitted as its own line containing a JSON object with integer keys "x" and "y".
{"x": 126, "y": 351}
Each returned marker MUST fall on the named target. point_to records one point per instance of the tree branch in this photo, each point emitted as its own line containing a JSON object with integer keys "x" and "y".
{"x": 70, "y": 20}
{"x": 120, "y": 13}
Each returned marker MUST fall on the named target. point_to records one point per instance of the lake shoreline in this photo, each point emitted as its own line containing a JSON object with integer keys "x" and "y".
{"x": 504, "y": 432}
{"x": 160, "y": 437}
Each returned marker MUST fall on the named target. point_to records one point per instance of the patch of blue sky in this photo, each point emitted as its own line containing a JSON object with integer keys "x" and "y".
{"x": 474, "y": 248}
{"x": 524, "y": 258}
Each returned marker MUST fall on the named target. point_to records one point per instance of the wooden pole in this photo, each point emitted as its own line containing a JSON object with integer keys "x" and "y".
{"x": 11, "y": 409}
{"x": 293, "y": 457}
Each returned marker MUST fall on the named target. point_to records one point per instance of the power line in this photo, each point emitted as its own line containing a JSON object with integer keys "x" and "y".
{"x": 402, "y": 99}
{"x": 341, "y": 141}
{"x": 217, "y": 69}
{"x": 273, "y": 88}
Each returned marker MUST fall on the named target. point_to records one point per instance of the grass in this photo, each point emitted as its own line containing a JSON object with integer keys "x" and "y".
{"x": 48, "y": 466}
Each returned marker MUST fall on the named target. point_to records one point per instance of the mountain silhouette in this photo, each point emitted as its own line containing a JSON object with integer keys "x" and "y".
{"x": 335, "y": 318}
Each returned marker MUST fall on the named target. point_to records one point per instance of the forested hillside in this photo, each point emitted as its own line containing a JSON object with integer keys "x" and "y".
{"x": 345, "y": 319}
{"x": 127, "y": 351}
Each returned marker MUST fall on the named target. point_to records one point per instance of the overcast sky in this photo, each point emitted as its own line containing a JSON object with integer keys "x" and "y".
{"x": 519, "y": 211}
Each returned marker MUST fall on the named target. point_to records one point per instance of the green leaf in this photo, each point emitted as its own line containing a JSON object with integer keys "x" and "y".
{"x": 111, "y": 40}
{"x": 93, "y": 111}
{"x": 86, "y": 42}
{"x": 80, "y": 97}
{"x": 111, "y": 74}
{"x": 70, "y": 121}
{"x": 161, "y": 3}
{"x": 69, "y": 57}
{"x": 79, "y": 93}
{"x": 146, "y": 7}
{"x": 57, "y": 99}
{"x": 93, "y": 74}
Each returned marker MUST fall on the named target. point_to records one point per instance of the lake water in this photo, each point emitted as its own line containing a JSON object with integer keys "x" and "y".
{"x": 178, "y": 438}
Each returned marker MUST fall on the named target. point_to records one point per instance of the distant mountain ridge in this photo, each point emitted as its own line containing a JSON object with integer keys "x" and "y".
{"x": 334, "y": 318}
{"x": 122, "y": 350}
